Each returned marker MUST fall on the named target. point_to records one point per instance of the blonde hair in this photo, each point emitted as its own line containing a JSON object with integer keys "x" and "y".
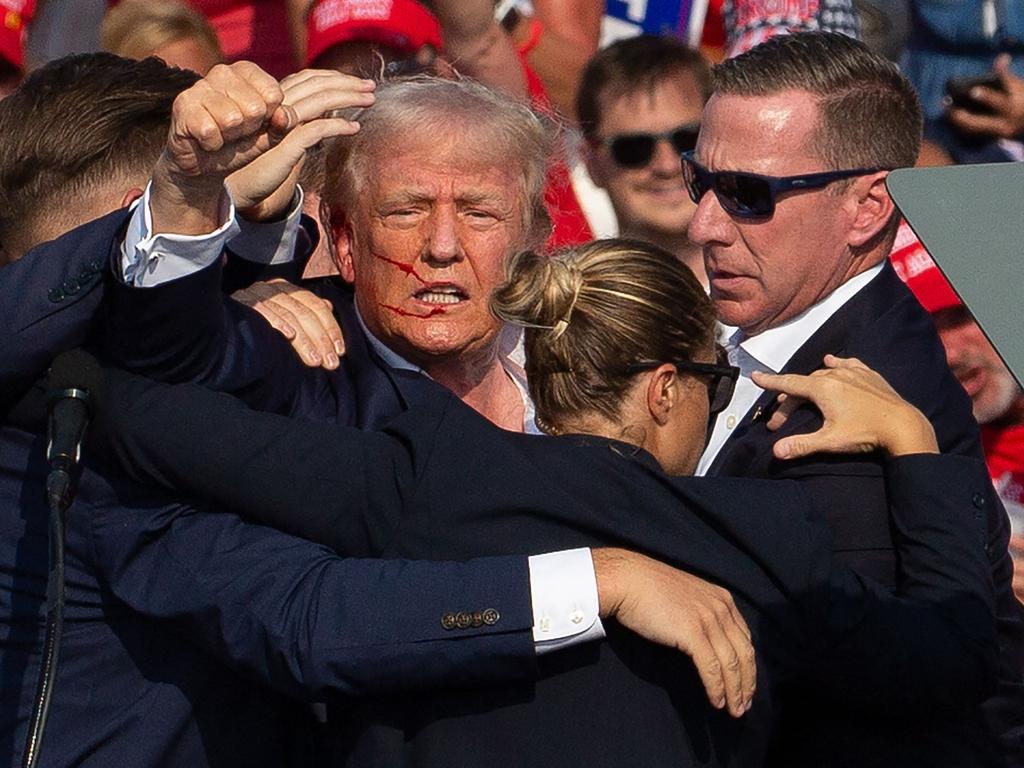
{"x": 136, "y": 28}
{"x": 593, "y": 310}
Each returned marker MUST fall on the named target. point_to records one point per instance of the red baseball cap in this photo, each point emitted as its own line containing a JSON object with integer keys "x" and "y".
{"x": 402, "y": 24}
{"x": 916, "y": 268}
{"x": 14, "y": 15}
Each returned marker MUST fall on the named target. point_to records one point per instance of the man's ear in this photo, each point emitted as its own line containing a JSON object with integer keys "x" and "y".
{"x": 662, "y": 392}
{"x": 589, "y": 150}
{"x": 130, "y": 196}
{"x": 873, "y": 208}
{"x": 341, "y": 243}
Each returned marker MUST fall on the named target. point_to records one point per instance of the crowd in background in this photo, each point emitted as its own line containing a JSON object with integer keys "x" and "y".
{"x": 620, "y": 112}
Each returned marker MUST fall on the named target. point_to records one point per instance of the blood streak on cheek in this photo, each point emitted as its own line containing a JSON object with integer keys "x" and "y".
{"x": 408, "y": 269}
{"x": 406, "y": 313}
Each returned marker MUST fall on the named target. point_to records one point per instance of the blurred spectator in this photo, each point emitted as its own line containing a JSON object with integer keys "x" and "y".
{"x": 963, "y": 40}
{"x": 884, "y": 25}
{"x": 639, "y": 106}
{"x": 557, "y": 37}
{"x": 996, "y": 398}
{"x": 371, "y": 38}
{"x": 750, "y": 22}
{"x": 256, "y": 30}
{"x": 14, "y": 16}
{"x": 169, "y": 30}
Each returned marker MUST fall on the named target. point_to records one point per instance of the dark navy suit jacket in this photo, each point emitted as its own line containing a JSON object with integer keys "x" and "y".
{"x": 884, "y": 326}
{"x": 441, "y": 481}
{"x": 142, "y": 679}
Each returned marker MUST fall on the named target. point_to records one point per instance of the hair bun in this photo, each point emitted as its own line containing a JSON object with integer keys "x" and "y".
{"x": 539, "y": 292}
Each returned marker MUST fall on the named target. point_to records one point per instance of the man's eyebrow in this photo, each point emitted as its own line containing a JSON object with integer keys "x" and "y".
{"x": 479, "y": 196}
{"x": 407, "y": 197}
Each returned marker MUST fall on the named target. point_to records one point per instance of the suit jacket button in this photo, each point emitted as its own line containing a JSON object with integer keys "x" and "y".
{"x": 463, "y": 620}
{"x": 478, "y": 619}
{"x": 94, "y": 266}
{"x": 448, "y": 621}
{"x": 55, "y": 295}
{"x": 490, "y": 617}
{"x": 71, "y": 286}
{"x": 978, "y": 500}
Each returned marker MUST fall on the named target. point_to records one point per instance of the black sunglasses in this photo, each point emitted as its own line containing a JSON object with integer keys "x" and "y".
{"x": 721, "y": 378}
{"x": 635, "y": 150}
{"x": 750, "y": 195}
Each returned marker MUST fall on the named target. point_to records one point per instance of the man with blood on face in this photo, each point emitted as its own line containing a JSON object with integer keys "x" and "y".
{"x": 795, "y": 223}
{"x": 428, "y": 202}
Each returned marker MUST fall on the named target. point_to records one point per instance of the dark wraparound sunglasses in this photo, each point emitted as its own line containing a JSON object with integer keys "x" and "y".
{"x": 720, "y": 378}
{"x": 635, "y": 150}
{"x": 750, "y": 195}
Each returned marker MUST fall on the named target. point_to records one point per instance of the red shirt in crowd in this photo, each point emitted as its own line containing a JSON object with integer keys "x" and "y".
{"x": 569, "y": 225}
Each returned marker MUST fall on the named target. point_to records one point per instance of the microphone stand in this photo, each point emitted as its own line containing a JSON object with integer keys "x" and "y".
{"x": 60, "y": 492}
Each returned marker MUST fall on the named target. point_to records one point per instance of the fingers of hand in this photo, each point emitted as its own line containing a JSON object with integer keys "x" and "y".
{"x": 251, "y": 298}
{"x": 322, "y": 93}
{"x": 724, "y": 656}
{"x": 781, "y": 415}
{"x": 972, "y": 122}
{"x": 317, "y": 335}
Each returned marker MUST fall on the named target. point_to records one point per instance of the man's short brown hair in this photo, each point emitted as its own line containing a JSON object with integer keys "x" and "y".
{"x": 870, "y": 114}
{"x": 635, "y": 65}
{"x": 78, "y": 123}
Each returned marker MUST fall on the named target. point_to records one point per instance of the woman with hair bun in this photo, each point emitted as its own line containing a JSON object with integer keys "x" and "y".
{"x": 625, "y": 374}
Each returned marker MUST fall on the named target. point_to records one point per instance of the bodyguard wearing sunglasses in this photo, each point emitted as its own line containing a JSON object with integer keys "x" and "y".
{"x": 639, "y": 105}
{"x": 795, "y": 224}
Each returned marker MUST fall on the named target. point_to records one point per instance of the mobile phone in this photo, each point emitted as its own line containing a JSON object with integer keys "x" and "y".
{"x": 958, "y": 89}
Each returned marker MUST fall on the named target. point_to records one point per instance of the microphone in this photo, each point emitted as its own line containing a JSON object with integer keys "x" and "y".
{"x": 75, "y": 378}
{"x": 74, "y": 381}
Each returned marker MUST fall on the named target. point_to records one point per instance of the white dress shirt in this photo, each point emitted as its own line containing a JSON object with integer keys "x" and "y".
{"x": 563, "y": 585}
{"x": 768, "y": 352}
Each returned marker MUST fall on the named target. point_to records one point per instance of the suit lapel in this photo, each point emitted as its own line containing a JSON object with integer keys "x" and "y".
{"x": 747, "y": 452}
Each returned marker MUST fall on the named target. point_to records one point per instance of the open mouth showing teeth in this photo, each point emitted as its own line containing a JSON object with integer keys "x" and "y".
{"x": 441, "y": 295}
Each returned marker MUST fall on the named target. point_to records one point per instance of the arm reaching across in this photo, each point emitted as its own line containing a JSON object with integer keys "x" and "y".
{"x": 862, "y": 413}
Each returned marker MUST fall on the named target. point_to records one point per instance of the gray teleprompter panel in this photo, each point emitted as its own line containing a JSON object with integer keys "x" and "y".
{"x": 971, "y": 220}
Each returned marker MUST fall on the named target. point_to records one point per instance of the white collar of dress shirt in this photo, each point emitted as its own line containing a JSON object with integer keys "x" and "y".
{"x": 514, "y": 371}
{"x": 773, "y": 348}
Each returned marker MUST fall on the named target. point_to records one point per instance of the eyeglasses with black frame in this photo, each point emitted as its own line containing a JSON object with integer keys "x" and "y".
{"x": 635, "y": 150}
{"x": 751, "y": 195}
{"x": 720, "y": 378}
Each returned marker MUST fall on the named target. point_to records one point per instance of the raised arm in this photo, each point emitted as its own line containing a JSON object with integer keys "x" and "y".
{"x": 240, "y": 127}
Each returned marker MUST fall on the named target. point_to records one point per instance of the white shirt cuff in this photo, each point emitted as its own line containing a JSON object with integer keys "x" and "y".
{"x": 564, "y": 594}
{"x": 148, "y": 260}
{"x": 269, "y": 242}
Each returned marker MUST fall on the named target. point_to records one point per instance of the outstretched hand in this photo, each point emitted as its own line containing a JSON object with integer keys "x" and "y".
{"x": 679, "y": 610}
{"x": 1006, "y": 104}
{"x": 229, "y": 119}
{"x": 861, "y": 412}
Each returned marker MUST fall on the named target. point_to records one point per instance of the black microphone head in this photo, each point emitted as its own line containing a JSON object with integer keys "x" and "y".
{"x": 75, "y": 369}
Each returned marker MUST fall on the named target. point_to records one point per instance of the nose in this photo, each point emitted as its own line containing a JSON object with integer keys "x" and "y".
{"x": 710, "y": 222}
{"x": 665, "y": 162}
{"x": 443, "y": 245}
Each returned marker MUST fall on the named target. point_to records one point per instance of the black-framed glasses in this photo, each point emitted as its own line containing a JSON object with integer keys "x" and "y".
{"x": 751, "y": 195}
{"x": 635, "y": 150}
{"x": 720, "y": 377}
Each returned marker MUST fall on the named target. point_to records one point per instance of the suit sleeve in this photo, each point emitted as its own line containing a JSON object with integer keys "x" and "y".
{"x": 338, "y": 486}
{"x": 934, "y": 640}
{"x": 297, "y": 617}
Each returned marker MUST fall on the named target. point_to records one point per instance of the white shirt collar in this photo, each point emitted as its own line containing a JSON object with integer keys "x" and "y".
{"x": 773, "y": 348}
{"x": 515, "y": 372}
